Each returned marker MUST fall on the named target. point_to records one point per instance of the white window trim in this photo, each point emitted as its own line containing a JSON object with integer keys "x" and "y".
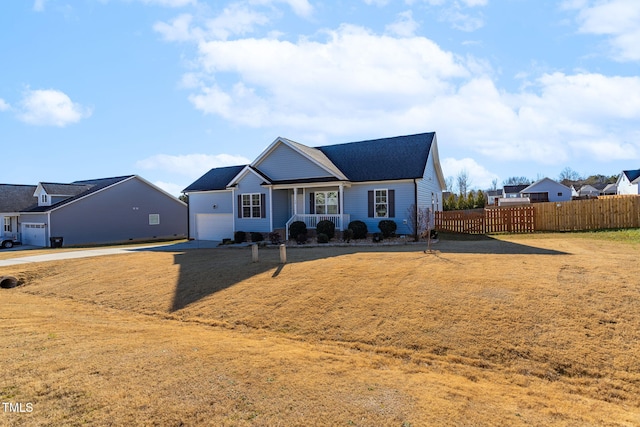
{"x": 375, "y": 202}
{"x": 7, "y": 224}
{"x": 326, "y": 204}
{"x": 251, "y": 205}
{"x": 154, "y": 219}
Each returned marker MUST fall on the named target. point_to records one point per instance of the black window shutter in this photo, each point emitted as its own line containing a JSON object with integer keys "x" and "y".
{"x": 392, "y": 203}
{"x": 263, "y": 205}
{"x": 371, "y": 207}
{"x": 312, "y": 203}
{"x": 239, "y": 205}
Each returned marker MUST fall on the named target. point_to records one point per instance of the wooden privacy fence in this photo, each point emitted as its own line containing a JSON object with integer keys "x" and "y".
{"x": 515, "y": 219}
{"x": 593, "y": 214}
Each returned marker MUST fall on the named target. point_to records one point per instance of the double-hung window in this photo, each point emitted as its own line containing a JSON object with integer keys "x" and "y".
{"x": 251, "y": 205}
{"x": 326, "y": 202}
{"x": 381, "y": 203}
{"x": 7, "y": 224}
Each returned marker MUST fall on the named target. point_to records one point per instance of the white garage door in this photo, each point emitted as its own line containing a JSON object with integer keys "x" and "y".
{"x": 214, "y": 226}
{"x": 33, "y": 234}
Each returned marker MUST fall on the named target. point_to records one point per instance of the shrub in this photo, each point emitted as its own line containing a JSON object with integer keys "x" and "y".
{"x": 274, "y": 237}
{"x": 347, "y": 235}
{"x": 326, "y": 227}
{"x": 256, "y": 237}
{"x": 296, "y": 228}
{"x": 377, "y": 237}
{"x": 322, "y": 238}
{"x": 388, "y": 227}
{"x": 359, "y": 229}
{"x": 301, "y": 238}
{"x": 239, "y": 236}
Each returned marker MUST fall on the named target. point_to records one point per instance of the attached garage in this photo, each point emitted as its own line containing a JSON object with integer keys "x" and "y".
{"x": 34, "y": 234}
{"x": 214, "y": 226}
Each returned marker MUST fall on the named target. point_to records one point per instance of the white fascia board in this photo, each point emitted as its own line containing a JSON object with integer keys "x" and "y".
{"x": 309, "y": 185}
{"x": 155, "y": 187}
{"x": 241, "y": 175}
{"x": 436, "y": 163}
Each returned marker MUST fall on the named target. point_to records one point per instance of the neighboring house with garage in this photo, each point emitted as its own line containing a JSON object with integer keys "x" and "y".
{"x": 99, "y": 211}
{"x": 13, "y": 199}
{"x": 367, "y": 180}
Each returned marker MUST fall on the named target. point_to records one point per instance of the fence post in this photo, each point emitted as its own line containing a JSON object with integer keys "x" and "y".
{"x": 283, "y": 254}
{"x": 254, "y": 253}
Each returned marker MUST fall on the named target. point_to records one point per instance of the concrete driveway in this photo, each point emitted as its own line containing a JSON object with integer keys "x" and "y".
{"x": 56, "y": 255}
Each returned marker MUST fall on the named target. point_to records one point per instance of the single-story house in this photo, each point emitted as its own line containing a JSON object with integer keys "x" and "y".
{"x": 546, "y": 190}
{"x": 98, "y": 211}
{"x": 609, "y": 190}
{"x": 628, "y": 182}
{"x": 588, "y": 190}
{"x": 493, "y": 196}
{"x": 367, "y": 180}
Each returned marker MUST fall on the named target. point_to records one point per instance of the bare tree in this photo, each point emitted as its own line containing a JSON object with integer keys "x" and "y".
{"x": 494, "y": 184}
{"x": 516, "y": 180}
{"x": 449, "y": 183}
{"x": 463, "y": 182}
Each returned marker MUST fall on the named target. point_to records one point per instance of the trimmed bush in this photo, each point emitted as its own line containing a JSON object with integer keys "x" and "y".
{"x": 256, "y": 237}
{"x": 359, "y": 229}
{"x": 388, "y": 228}
{"x": 274, "y": 237}
{"x": 347, "y": 235}
{"x": 296, "y": 228}
{"x": 326, "y": 227}
{"x": 322, "y": 238}
{"x": 239, "y": 237}
{"x": 377, "y": 237}
{"x": 301, "y": 238}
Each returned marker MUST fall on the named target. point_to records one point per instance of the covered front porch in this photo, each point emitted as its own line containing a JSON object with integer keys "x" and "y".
{"x": 314, "y": 203}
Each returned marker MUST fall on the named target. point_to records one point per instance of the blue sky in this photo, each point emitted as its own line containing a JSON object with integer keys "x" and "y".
{"x": 168, "y": 89}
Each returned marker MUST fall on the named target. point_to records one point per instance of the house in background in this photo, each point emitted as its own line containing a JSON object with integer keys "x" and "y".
{"x": 589, "y": 191}
{"x": 511, "y": 191}
{"x": 546, "y": 190}
{"x": 109, "y": 210}
{"x": 493, "y": 196}
{"x": 628, "y": 182}
{"x": 367, "y": 180}
{"x": 13, "y": 199}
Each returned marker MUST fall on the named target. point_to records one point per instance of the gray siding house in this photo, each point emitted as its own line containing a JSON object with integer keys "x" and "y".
{"x": 108, "y": 210}
{"x": 547, "y": 190}
{"x": 367, "y": 180}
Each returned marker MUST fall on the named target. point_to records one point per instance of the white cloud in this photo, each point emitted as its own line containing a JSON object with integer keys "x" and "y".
{"x": 300, "y": 7}
{"x": 479, "y": 176}
{"x": 617, "y": 19}
{"x": 190, "y": 165}
{"x": 170, "y": 3}
{"x": 404, "y": 25}
{"x": 50, "y": 107}
{"x": 170, "y": 187}
{"x": 4, "y": 106}
{"x": 38, "y": 5}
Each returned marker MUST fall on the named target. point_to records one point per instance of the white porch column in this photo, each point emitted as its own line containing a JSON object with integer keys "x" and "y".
{"x": 341, "y": 206}
{"x": 295, "y": 200}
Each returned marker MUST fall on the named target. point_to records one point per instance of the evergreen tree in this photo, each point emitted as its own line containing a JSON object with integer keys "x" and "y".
{"x": 471, "y": 200}
{"x": 481, "y": 200}
{"x": 451, "y": 202}
{"x": 461, "y": 204}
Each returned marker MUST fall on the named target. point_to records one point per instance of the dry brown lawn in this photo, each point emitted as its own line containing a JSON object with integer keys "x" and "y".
{"x": 512, "y": 330}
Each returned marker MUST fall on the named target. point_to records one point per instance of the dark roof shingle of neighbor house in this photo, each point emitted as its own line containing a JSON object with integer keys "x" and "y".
{"x": 509, "y": 189}
{"x": 16, "y": 198}
{"x": 400, "y": 157}
{"x": 632, "y": 175}
{"x": 215, "y": 179}
{"x": 91, "y": 186}
{"x": 56, "y": 189}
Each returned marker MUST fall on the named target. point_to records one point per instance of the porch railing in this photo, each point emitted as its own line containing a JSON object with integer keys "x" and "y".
{"x": 311, "y": 221}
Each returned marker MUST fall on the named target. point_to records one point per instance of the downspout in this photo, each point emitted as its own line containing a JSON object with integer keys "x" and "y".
{"x": 188, "y": 219}
{"x": 415, "y": 201}
{"x": 48, "y": 227}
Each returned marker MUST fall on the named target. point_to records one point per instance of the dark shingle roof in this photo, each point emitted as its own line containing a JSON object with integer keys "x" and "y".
{"x": 400, "y": 157}
{"x": 632, "y": 175}
{"x": 56, "y": 189}
{"x": 91, "y": 186}
{"x": 15, "y": 198}
{"x": 509, "y": 189}
{"x": 215, "y": 179}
